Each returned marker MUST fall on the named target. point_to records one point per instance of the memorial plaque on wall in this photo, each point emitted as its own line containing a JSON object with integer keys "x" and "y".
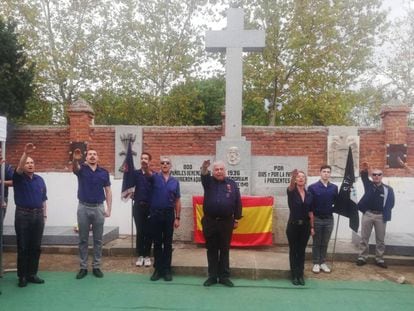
{"x": 395, "y": 151}
{"x": 271, "y": 175}
{"x": 187, "y": 170}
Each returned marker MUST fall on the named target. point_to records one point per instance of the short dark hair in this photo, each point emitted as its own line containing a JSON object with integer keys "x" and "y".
{"x": 148, "y": 154}
{"x": 324, "y": 167}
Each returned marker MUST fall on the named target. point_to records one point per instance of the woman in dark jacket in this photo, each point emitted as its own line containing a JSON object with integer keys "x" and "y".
{"x": 300, "y": 224}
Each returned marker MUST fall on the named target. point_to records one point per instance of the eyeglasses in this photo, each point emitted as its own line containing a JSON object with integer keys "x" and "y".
{"x": 165, "y": 162}
{"x": 376, "y": 174}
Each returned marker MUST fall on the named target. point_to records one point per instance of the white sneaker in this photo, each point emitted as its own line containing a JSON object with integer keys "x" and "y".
{"x": 140, "y": 261}
{"x": 325, "y": 268}
{"x": 316, "y": 268}
{"x": 147, "y": 262}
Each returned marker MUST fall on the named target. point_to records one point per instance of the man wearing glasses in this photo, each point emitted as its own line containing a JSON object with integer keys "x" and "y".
{"x": 165, "y": 209}
{"x": 376, "y": 205}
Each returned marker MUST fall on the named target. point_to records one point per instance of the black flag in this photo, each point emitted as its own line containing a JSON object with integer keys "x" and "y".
{"x": 346, "y": 204}
{"x": 128, "y": 185}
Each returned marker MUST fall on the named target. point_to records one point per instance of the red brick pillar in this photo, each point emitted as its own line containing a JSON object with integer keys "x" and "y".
{"x": 81, "y": 117}
{"x": 395, "y": 125}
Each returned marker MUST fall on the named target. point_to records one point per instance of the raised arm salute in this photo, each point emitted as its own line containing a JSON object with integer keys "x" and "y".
{"x": 30, "y": 198}
{"x": 94, "y": 187}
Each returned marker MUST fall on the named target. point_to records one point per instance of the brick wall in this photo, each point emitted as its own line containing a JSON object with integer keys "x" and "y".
{"x": 53, "y": 143}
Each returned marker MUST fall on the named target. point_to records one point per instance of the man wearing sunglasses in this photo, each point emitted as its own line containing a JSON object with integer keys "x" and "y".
{"x": 165, "y": 209}
{"x": 376, "y": 205}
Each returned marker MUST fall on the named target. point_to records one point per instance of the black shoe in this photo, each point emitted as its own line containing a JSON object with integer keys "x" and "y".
{"x": 155, "y": 276}
{"x": 97, "y": 272}
{"x": 301, "y": 281}
{"x": 81, "y": 274}
{"x": 360, "y": 262}
{"x": 35, "y": 279}
{"x": 168, "y": 277}
{"x": 210, "y": 281}
{"x": 226, "y": 282}
{"x": 22, "y": 282}
{"x": 295, "y": 281}
{"x": 381, "y": 264}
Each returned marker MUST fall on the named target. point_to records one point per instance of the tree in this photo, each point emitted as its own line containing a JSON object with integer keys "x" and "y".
{"x": 198, "y": 102}
{"x": 120, "y": 47}
{"x": 395, "y": 71}
{"x": 315, "y": 53}
{"x": 16, "y": 73}
{"x": 160, "y": 46}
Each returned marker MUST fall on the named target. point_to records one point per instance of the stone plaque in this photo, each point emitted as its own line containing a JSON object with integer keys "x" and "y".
{"x": 271, "y": 175}
{"x": 187, "y": 170}
{"x": 236, "y": 154}
{"x": 120, "y": 148}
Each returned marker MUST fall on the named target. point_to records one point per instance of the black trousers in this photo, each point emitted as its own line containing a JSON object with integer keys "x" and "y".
{"x": 217, "y": 233}
{"x": 298, "y": 237}
{"x": 143, "y": 239}
{"x": 29, "y": 227}
{"x": 162, "y": 228}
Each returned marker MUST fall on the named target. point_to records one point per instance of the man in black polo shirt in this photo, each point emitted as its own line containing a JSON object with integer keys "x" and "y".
{"x": 94, "y": 187}
{"x": 30, "y": 199}
{"x": 222, "y": 208}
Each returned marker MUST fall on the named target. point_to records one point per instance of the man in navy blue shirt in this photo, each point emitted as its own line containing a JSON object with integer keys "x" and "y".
{"x": 222, "y": 209}
{"x": 30, "y": 199}
{"x": 141, "y": 212}
{"x": 165, "y": 210}
{"x": 324, "y": 195}
{"x": 94, "y": 187}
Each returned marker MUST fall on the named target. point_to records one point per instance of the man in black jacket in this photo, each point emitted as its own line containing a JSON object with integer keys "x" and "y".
{"x": 222, "y": 209}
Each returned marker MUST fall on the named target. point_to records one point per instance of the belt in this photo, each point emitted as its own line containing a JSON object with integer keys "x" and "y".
{"x": 218, "y": 218}
{"x": 30, "y": 210}
{"x": 90, "y": 204}
{"x": 375, "y": 211}
{"x": 298, "y": 222}
{"x": 323, "y": 216}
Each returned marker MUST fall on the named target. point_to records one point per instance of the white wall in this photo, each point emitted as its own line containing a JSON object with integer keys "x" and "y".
{"x": 62, "y": 204}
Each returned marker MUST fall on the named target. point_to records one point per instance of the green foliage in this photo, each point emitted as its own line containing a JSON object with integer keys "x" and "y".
{"x": 16, "y": 73}
{"x": 315, "y": 52}
{"x": 115, "y": 109}
{"x": 195, "y": 103}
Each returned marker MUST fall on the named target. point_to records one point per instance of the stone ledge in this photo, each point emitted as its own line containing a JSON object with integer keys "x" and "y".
{"x": 60, "y": 235}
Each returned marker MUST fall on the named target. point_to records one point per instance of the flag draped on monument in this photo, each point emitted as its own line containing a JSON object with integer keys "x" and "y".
{"x": 128, "y": 186}
{"x": 346, "y": 204}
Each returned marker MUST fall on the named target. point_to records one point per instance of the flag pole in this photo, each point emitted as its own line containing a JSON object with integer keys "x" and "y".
{"x": 132, "y": 231}
{"x": 334, "y": 246}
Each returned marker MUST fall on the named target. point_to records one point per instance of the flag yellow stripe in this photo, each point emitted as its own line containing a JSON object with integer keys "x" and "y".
{"x": 255, "y": 219}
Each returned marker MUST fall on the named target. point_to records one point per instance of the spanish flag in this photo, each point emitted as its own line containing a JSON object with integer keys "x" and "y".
{"x": 255, "y": 228}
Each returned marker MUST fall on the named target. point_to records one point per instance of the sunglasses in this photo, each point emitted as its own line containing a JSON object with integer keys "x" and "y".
{"x": 376, "y": 174}
{"x": 165, "y": 162}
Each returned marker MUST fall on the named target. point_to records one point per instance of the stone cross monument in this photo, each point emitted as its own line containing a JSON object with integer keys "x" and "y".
{"x": 235, "y": 40}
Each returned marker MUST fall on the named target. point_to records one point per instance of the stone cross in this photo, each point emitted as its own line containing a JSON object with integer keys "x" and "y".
{"x": 234, "y": 40}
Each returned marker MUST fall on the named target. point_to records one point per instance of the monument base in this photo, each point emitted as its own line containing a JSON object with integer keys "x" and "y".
{"x": 60, "y": 235}
{"x": 236, "y": 154}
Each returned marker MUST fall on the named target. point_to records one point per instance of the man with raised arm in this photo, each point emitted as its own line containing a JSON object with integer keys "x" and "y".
{"x": 222, "y": 209}
{"x": 94, "y": 187}
{"x": 31, "y": 212}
